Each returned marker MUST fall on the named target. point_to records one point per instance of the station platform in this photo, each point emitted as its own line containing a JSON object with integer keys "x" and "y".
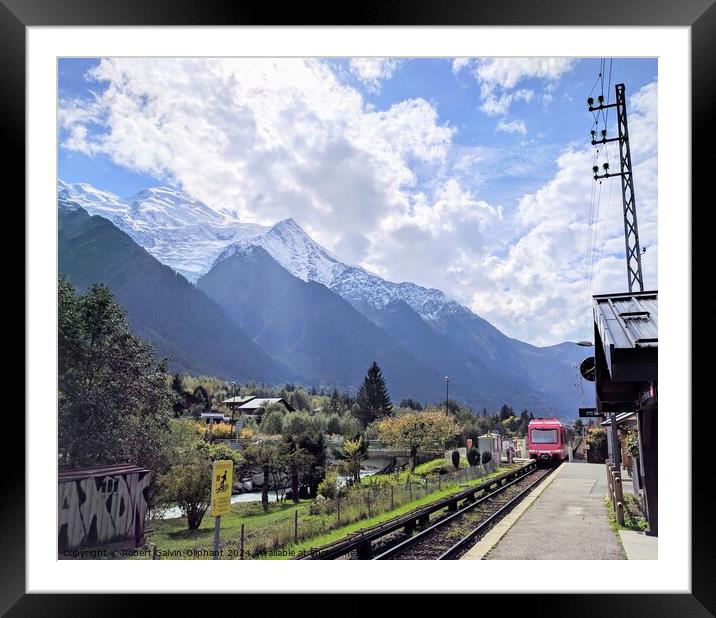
{"x": 563, "y": 519}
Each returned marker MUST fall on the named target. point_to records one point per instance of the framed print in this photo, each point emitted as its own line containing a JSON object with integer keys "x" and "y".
{"x": 308, "y": 291}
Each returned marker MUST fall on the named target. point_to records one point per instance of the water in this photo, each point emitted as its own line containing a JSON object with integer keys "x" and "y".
{"x": 250, "y": 496}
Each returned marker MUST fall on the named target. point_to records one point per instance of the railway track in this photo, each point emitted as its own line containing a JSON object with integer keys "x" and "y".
{"x": 452, "y": 535}
{"x": 488, "y": 500}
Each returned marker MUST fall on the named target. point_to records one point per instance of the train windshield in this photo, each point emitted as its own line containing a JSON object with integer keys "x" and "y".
{"x": 544, "y": 436}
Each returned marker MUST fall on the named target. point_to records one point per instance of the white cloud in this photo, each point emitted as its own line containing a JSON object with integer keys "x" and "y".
{"x": 265, "y": 138}
{"x": 458, "y": 64}
{"x": 514, "y": 126}
{"x": 389, "y": 190}
{"x": 494, "y": 105}
{"x": 373, "y": 71}
{"x": 508, "y": 72}
{"x": 498, "y": 77}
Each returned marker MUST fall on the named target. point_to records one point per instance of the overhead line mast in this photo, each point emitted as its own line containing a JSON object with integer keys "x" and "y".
{"x": 631, "y": 230}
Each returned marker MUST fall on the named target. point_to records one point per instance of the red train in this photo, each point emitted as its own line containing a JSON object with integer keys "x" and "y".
{"x": 548, "y": 440}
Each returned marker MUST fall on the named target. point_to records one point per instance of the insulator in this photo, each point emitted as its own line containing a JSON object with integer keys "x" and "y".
{"x": 606, "y": 167}
{"x": 590, "y": 101}
{"x": 600, "y": 98}
{"x": 595, "y": 169}
{"x": 604, "y": 132}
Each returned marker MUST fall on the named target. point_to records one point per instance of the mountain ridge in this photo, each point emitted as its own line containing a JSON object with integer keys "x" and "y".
{"x": 164, "y": 221}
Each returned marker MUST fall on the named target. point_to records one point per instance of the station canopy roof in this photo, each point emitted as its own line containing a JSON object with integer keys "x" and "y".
{"x": 628, "y": 320}
{"x": 624, "y": 416}
{"x": 626, "y": 327}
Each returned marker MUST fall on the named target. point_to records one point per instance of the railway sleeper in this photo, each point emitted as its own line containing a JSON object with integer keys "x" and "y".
{"x": 364, "y": 551}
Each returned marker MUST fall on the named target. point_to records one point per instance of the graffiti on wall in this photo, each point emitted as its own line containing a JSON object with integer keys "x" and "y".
{"x": 101, "y": 510}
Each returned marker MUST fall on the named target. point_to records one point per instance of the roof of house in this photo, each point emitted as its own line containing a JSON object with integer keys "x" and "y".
{"x": 628, "y": 320}
{"x": 238, "y": 400}
{"x": 264, "y": 402}
{"x": 220, "y": 415}
{"x": 83, "y": 473}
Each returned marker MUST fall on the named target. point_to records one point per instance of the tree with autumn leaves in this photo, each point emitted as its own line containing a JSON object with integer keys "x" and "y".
{"x": 418, "y": 431}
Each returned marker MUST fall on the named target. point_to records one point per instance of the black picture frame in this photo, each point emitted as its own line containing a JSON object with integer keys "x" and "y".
{"x": 699, "y": 15}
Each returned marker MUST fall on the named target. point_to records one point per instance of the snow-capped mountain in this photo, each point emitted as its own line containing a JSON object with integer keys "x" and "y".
{"x": 423, "y": 325}
{"x": 304, "y": 258}
{"x": 188, "y": 236}
{"x": 177, "y": 229}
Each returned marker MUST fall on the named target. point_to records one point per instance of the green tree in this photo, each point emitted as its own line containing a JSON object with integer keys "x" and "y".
{"x": 510, "y": 425}
{"x": 298, "y": 462}
{"x": 413, "y": 404}
{"x": 597, "y": 441}
{"x": 315, "y": 445}
{"x": 578, "y": 427}
{"x": 373, "y": 400}
{"x": 272, "y": 421}
{"x": 353, "y": 454}
{"x": 418, "y": 431}
{"x": 524, "y": 423}
{"x": 187, "y": 483}
{"x": 335, "y": 404}
{"x": 189, "y": 487}
{"x": 115, "y": 400}
{"x": 334, "y": 424}
{"x": 266, "y": 457}
{"x": 505, "y": 412}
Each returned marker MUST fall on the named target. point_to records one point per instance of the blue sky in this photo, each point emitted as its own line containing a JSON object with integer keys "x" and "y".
{"x": 476, "y": 161}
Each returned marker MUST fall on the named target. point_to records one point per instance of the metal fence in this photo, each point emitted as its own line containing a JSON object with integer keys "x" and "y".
{"x": 250, "y": 533}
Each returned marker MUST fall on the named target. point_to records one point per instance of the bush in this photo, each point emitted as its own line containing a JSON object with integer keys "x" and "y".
{"x": 455, "y": 459}
{"x": 349, "y": 426}
{"x": 334, "y": 424}
{"x": 222, "y": 431}
{"x": 272, "y": 422}
{"x": 632, "y": 444}
{"x": 328, "y": 487}
{"x": 473, "y": 456}
{"x": 597, "y": 441}
{"x": 429, "y": 467}
{"x": 486, "y": 457}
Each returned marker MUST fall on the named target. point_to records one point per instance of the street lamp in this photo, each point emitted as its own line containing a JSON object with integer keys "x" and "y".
{"x": 447, "y": 391}
{"x": 234, "y": 391}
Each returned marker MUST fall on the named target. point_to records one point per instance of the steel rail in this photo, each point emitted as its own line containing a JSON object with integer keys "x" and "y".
{"x": 368, "y": 535}
{"x": 416, "y": 538}
{"x": 497, "y": 514}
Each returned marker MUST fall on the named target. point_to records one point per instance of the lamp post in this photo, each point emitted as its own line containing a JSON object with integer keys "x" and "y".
{"x": 616, "y": 455}
{"x": 447, "y": 394}
{"x": 234, "y": 390}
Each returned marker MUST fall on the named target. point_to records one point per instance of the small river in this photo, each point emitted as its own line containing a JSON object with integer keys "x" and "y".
{"x": 250, "y": 496}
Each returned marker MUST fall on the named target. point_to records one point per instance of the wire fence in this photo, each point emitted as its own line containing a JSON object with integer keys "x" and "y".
{"x": 289, "y": 528}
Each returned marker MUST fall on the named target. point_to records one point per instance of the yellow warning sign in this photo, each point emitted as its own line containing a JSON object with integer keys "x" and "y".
{"x": 221, "y": 483}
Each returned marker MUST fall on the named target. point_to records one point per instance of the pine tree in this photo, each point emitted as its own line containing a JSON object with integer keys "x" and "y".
{"x": 505, "y": 412}
{"x": 373, "y": 399}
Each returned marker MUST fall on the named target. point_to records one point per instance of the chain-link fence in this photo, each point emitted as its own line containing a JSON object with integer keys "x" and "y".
{"x": 288, "y": 528}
